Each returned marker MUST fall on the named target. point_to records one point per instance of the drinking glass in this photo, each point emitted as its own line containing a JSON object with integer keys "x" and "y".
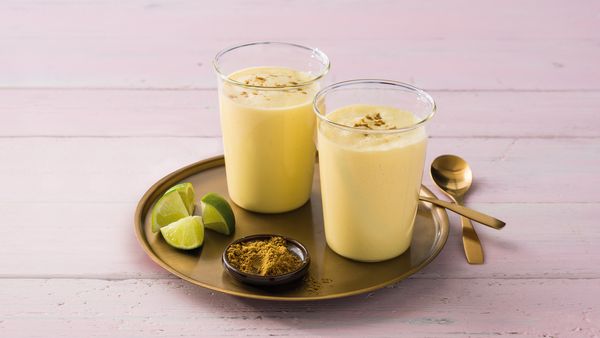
{"x": 266, "y": 91}
{"x": 371, "y": 140}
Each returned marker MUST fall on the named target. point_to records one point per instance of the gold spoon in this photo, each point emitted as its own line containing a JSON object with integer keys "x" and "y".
{"x": 453, "y": 176}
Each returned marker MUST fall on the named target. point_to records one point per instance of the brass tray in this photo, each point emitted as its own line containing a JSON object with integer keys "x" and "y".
{"x": 329, "y": 276}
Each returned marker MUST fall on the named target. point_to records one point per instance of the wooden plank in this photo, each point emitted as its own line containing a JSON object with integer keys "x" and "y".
{"x": 82, "y": 170}
{"x": 471, "y": 64}
{"x": 85, "y": 240}
{"x": 526, "y": 170}
{"x": 109, "y": 113}
{"x": 539, "y": 241}
{"x": 96, "y": 240}
{"x": 491, "y": 45}
{"x": 195, "y": 113}
{"x": 557, "y": 19}
{"x": 431, "y": 64}
{"x": 120, "y": 169}
{"x": 440, "y": 308}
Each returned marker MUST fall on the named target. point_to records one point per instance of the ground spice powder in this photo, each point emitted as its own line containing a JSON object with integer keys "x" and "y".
{"x": 263, "y": 257}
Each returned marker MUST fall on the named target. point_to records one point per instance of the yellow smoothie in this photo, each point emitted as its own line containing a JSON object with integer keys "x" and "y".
{"x": 268, "y": 138}
{"x": 370, "y": 182}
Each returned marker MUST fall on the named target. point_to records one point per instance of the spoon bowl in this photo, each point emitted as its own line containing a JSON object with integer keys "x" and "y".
{"x": 452, "y": 174}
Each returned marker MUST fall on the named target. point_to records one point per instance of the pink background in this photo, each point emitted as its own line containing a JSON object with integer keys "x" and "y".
{"x": 99, "y": 99}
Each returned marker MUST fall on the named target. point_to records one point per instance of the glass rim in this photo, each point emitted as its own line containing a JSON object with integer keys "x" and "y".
{"x": 418, "y": 91}
{"x": 225, "y": 77}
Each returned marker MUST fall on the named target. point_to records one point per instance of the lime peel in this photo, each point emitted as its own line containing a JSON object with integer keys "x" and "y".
{"x": 217, "y": 214}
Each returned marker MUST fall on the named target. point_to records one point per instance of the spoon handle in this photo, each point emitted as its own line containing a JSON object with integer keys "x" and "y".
{"x": 467, "y": 212}
{"x": 471, "y": 243}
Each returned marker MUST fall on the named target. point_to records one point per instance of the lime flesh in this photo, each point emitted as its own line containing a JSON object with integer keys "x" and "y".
{"x": 186, "y": 233}
{"x": 187, "y": 193}
{"x": 217, "y": 214}
{"x": 168, "y": 209}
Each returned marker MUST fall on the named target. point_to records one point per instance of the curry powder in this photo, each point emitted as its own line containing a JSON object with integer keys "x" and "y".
{"x": 263, "y": 257}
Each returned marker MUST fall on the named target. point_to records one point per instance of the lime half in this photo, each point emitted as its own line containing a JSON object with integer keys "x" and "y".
{"x": 186, "y": 233}
{"x": 168, "y": 209}
{"x": 217, "y": 214}
{"x": 186, "y": 191}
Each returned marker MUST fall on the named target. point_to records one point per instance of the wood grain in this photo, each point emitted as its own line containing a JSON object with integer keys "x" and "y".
{"x": 120, "y": 169}
{"x": 195, "y": 113}
{"x": 446, "y": 45}
{"x": 430, "y": 64}
{"x": 99, "y": 99}
{"x": 81, "y": 170}
{"x": 440, "y": 308}
{"x": 189, "y": 20}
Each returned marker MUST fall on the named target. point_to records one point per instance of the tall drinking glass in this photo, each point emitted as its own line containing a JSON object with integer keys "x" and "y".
{"x": 266, "y": 91}
{"x": 371, "y": 140}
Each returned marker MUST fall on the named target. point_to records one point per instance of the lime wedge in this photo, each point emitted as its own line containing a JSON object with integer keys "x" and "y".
{"x": 168, "y": 209}
{"x": 186, "y": 191}
{"x": 186, "y": 233}
{"x": 217, "y": 214}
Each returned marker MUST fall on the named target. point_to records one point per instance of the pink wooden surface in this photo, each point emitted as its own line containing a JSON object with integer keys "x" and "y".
{"x": 99, "y": 99}
{"x": 485, "y": 114}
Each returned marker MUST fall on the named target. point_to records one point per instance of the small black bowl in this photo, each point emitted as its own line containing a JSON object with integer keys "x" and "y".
{"x": 249, "y": 278}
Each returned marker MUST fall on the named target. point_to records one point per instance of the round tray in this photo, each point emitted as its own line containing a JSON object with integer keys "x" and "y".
{"x": 329, "y": 276}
